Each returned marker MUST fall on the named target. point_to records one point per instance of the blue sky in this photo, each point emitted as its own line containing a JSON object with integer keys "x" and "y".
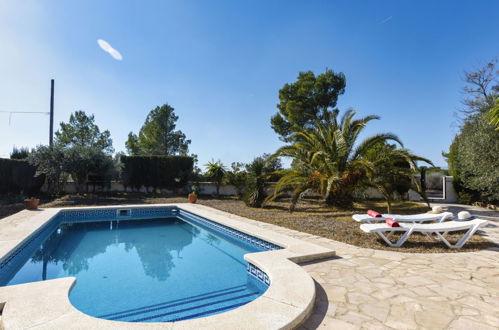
{"x": 220, "y": 64}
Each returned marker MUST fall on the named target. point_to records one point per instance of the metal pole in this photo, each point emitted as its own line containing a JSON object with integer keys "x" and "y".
{"x": 51, "y": 137}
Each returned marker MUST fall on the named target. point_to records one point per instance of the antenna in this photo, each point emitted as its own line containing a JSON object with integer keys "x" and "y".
{"x": 51, "y": 113}
{"x": 13, "y": 112}
{"x": 51, "y": 129}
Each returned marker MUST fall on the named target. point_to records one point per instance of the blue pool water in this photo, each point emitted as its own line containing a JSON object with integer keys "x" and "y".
{"x": 149, "y": 270}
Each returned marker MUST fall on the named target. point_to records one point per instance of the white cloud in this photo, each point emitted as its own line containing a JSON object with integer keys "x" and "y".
{"x": 386, "y": 20}
{"x": 108, "y": 49}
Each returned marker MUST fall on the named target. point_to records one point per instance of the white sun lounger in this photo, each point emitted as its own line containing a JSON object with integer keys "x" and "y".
{"x": 413, "y": 218}
{"x": 440, "y": 229}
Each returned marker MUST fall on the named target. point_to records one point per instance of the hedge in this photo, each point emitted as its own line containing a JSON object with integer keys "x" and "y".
{"x": 18, "y": 176}
{"x": 164, "y": 172}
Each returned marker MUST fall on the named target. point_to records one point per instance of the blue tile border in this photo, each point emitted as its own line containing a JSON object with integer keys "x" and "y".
{"x": 107, "y": 214}
{"x": 232, "y": 232}
{"x": 258, "y": 274}
{"x": 40, "y": 234}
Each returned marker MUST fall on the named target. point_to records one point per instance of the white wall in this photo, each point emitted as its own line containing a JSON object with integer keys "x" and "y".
{"x": 209, "y": 188}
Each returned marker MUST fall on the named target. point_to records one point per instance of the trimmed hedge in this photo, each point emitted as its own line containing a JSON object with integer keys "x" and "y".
{"x": 18, "y": 176}
{"x": 164, "y": 172}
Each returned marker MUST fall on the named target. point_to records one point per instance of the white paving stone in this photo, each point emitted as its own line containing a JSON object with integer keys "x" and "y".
{"x": 409, "y": 290}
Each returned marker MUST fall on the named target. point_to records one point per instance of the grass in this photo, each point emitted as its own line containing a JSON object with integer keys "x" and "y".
{"x": 311, "y": 216}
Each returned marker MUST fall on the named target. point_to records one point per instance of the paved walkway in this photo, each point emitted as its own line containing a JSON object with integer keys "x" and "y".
{"x": 374, "y": 289}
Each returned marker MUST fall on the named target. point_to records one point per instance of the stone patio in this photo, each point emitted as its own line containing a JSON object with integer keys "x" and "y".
{"x": 373, "y": 289}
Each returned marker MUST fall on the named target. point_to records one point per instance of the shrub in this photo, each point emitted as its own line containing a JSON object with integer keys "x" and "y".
{"x": 465, "y": 197}
{"x": 471, "y": 160}
{"x": 18, "y": 176}
{"x": 88, "y": 165}
{"x": 49, "y": 162}
{"x": 19, "y": 153}
{"x": 167, "y": 172}
{"x": 236, "y": 176}
{"x": 474, "y": 153}
{"x": 257, "y": 174}
{"x": 216, "y": 171}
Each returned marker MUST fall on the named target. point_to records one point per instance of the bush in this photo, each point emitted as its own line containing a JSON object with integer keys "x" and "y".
{"x": 236, "y": 176}
{"x": 472, "y": 158}
{"x": 19, "y": 153}
{"x": 164, "y": 172}
{"x": 257, "y": 173}
{"x": 49, "y": 162}
{"x": 18, "y": 176}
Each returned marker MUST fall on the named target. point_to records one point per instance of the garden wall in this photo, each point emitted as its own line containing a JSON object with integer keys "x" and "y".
{"x": 209, "y": 188}
{"x": 205, "y": 188}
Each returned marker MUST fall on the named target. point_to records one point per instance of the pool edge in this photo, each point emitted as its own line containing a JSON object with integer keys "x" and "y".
{"x": 287, "y": 302}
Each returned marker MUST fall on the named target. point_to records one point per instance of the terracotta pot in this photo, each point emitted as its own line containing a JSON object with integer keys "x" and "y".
{"x": 192, "y": 198}
{"x": 31, "y": 204}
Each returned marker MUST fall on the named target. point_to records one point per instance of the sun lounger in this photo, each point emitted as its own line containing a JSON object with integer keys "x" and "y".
{"x": 413, "y": 218}
{"x": 440, "y": 229}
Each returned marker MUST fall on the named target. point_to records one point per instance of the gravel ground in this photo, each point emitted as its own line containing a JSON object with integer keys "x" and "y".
{"x": 310, "y": 216}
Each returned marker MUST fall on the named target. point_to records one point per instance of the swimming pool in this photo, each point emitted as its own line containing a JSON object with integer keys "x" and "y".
{"x": 142, "y": 265}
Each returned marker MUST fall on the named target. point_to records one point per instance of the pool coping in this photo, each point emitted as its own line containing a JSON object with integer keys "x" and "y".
{"x": 288, "y": 301}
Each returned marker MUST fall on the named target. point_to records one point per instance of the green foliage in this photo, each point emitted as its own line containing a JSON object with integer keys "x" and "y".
{"x": 18, "y": 176}
{"x": 474, "y": 153}
{"x": 451, "y": 158}
{"x": 84, "y": 163}
{"x": 476, "y": 161}
{"x": 158, "y": 135}
{"x": 250, "y": 180}
{"x": 272, "y": 167}
{"x": 254, "y": 193}
{"x": 493, "y": 115}
{"x": 258, "y": 174}
{"x": 437, "y": 169}
{"x": 50, "y": 163}
{"x": 308, "y": 99}
{"x": 236, "y": 176}
{"x": 19, "y": 153}
{"x": 392, "y": 170}
{"x": 465, "y": 197}
{"x": 80, "y": 150}
{"x": 163, "y": 172}
{"x": 194, "y": 189}
{"x": 81, "y": 131}
{"x": 327, "y": 158}
{"x": 216, "y": 171}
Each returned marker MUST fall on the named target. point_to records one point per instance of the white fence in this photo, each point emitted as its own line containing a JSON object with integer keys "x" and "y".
{"x": 209, "y": 188}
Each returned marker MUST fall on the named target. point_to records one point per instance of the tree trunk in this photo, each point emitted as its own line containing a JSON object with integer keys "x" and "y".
{"x": 343, "y": 200}
{"x": 388, "y": 199}
{"x": 388, "y": 206}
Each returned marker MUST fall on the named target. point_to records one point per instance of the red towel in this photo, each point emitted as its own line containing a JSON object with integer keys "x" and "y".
{"x": 373, "y": 214}
{"x": 392, "y": 223}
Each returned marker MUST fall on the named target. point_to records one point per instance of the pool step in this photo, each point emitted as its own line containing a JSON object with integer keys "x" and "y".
{"x": 189, "y": 307}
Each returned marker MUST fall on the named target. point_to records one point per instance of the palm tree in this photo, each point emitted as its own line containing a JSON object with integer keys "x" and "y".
{"x": 216, "y": 171}
{"x": 493, "y": 114}
{"x": 394, "y": 170}
{"x": 257, "y": 174}
{"x": 327, "y": 158}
